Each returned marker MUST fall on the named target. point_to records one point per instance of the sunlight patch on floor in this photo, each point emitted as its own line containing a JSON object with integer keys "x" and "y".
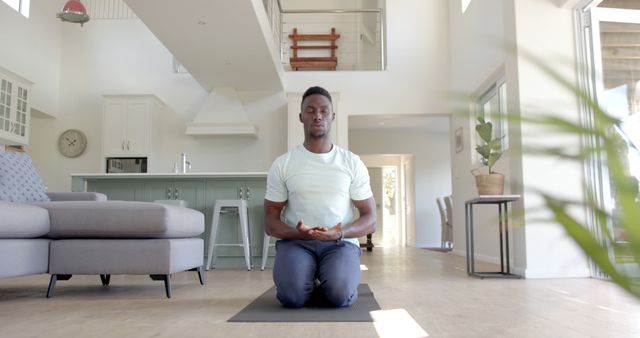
{"x": 608, "y": 309}
{"x": 396, "y": 323}
{"x": 363, "y": 267}
{"x": 577, "y": 300}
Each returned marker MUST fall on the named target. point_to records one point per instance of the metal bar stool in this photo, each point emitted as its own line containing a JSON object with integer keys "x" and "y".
{"x": 223, "y": 207}
{"x": 266, "y": 243}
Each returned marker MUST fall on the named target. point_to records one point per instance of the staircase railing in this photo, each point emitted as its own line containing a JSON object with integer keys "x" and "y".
{"x": 362, "y": 45}
{"x": 108, "y": 9}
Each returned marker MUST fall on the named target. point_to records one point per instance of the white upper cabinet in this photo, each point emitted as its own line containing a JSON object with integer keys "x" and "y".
{"x": 138, "y": 125}
{"x": 127, "y": 122}
{"x": 15, "y": 111}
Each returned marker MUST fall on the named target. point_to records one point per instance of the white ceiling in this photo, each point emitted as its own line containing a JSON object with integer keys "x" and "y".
{"x": 424, "y": 123}
{"x": 220, "y": 42}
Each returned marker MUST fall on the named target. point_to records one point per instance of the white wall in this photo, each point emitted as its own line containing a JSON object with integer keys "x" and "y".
{"x": 123, "y": 57}
{"x": 31, "y": 49}
{"x": 432, "y": 165}
{"x": 549, "y": 251}
{"x": 479, "y": 39}
{"x": 477, "y": 56}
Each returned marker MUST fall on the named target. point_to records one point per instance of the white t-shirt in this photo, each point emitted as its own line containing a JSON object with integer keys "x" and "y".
{"x": 319, "y": 188}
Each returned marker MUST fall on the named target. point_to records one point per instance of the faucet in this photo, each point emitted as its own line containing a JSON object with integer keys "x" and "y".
{"x": 186, "y": 165}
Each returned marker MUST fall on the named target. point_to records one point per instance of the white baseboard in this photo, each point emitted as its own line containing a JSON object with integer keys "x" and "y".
{"x": 459, "y": 252}
{"x": 518, "y": 270}
{"x": 545, "y": 273}
{"x": 427, "y": 245}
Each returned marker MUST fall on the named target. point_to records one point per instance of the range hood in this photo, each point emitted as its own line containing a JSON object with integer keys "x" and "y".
{"x": 222, "y": 114}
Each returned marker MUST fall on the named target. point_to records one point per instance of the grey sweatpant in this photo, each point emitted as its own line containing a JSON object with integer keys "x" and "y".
{"x": 325, "y": 273}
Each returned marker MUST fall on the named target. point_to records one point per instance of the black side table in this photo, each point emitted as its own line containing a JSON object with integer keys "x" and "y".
{"x": 501, "y": 201}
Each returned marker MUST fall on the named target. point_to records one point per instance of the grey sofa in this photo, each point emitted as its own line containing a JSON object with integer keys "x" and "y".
{"x": 82, "y": 233}
{"x": 99, "y": 237}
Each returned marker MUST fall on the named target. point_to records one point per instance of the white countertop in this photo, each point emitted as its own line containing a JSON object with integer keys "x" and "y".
{"x": 170, "y": 175}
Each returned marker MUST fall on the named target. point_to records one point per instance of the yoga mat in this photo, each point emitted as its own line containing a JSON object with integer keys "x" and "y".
{"x": 267, "y": 308}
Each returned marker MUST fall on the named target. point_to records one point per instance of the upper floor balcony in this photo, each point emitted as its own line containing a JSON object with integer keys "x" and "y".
{"x": 361, "y": 30}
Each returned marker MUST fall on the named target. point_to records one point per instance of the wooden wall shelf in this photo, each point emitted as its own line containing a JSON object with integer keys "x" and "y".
{"x": 329, "y": 62}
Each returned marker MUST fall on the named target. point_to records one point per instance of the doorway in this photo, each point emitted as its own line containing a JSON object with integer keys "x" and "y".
{"x": 391, "y": 181}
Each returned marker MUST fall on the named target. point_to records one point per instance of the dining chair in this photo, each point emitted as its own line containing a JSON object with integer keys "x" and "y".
{"x": 443, "y": 223}
{"x": 448, "y": 203}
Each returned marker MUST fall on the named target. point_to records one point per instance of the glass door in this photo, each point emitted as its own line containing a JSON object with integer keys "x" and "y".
{"x": 611, "y": 51}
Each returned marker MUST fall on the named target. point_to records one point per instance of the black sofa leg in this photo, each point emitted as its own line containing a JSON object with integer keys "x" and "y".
{"x": 52, "y": 283}
{"x": 106, "y": 279}
{"x": 167, "y": 282}
{"x": 200, "y": 274}
{"x": 52, "y": 286}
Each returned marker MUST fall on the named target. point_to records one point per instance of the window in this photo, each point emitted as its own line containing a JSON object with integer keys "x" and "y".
{"x": 492, "y": 106}
{"x": 21, "y": 6}
{"x": 465, "y": 5}
{"x": 178, "y": 67}
{"x": 14, "y": 108}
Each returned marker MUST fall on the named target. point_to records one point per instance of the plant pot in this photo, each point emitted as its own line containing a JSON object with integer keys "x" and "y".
{"x": 491, "y": 184}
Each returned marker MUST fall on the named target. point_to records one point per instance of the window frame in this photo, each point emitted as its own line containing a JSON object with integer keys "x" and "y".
{"x": 493, "y": 88}
{"x": 21, "y": 6}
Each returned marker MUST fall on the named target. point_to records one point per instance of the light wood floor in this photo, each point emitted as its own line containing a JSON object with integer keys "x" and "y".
{"x": 430, "y": 288}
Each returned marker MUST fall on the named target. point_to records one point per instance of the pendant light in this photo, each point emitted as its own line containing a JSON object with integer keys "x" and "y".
{"x": 74, "y": 11}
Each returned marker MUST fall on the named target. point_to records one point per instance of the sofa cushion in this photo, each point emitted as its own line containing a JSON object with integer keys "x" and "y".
{"x": 122, "y": 219}
{"x": 23, "y": 256}
{"x": 22, "y": 221}
{"x": 19, "y": 181}
{"x": 76, "y": 196}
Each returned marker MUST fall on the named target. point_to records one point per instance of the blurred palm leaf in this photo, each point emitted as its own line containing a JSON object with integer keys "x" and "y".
{"x": 610, "y": 150}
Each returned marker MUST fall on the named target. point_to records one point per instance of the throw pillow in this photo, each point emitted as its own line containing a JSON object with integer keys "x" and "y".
{"x": 19, "y": 181}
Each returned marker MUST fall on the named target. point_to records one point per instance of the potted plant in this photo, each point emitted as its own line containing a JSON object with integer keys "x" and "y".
{"x": 490, "y": 183}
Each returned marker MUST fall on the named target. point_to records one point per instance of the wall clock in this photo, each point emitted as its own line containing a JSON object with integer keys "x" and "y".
{"x": 72, "y": 143}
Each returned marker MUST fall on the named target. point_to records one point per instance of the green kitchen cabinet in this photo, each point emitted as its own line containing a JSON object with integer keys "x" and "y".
{"x": 190, "y": 191}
